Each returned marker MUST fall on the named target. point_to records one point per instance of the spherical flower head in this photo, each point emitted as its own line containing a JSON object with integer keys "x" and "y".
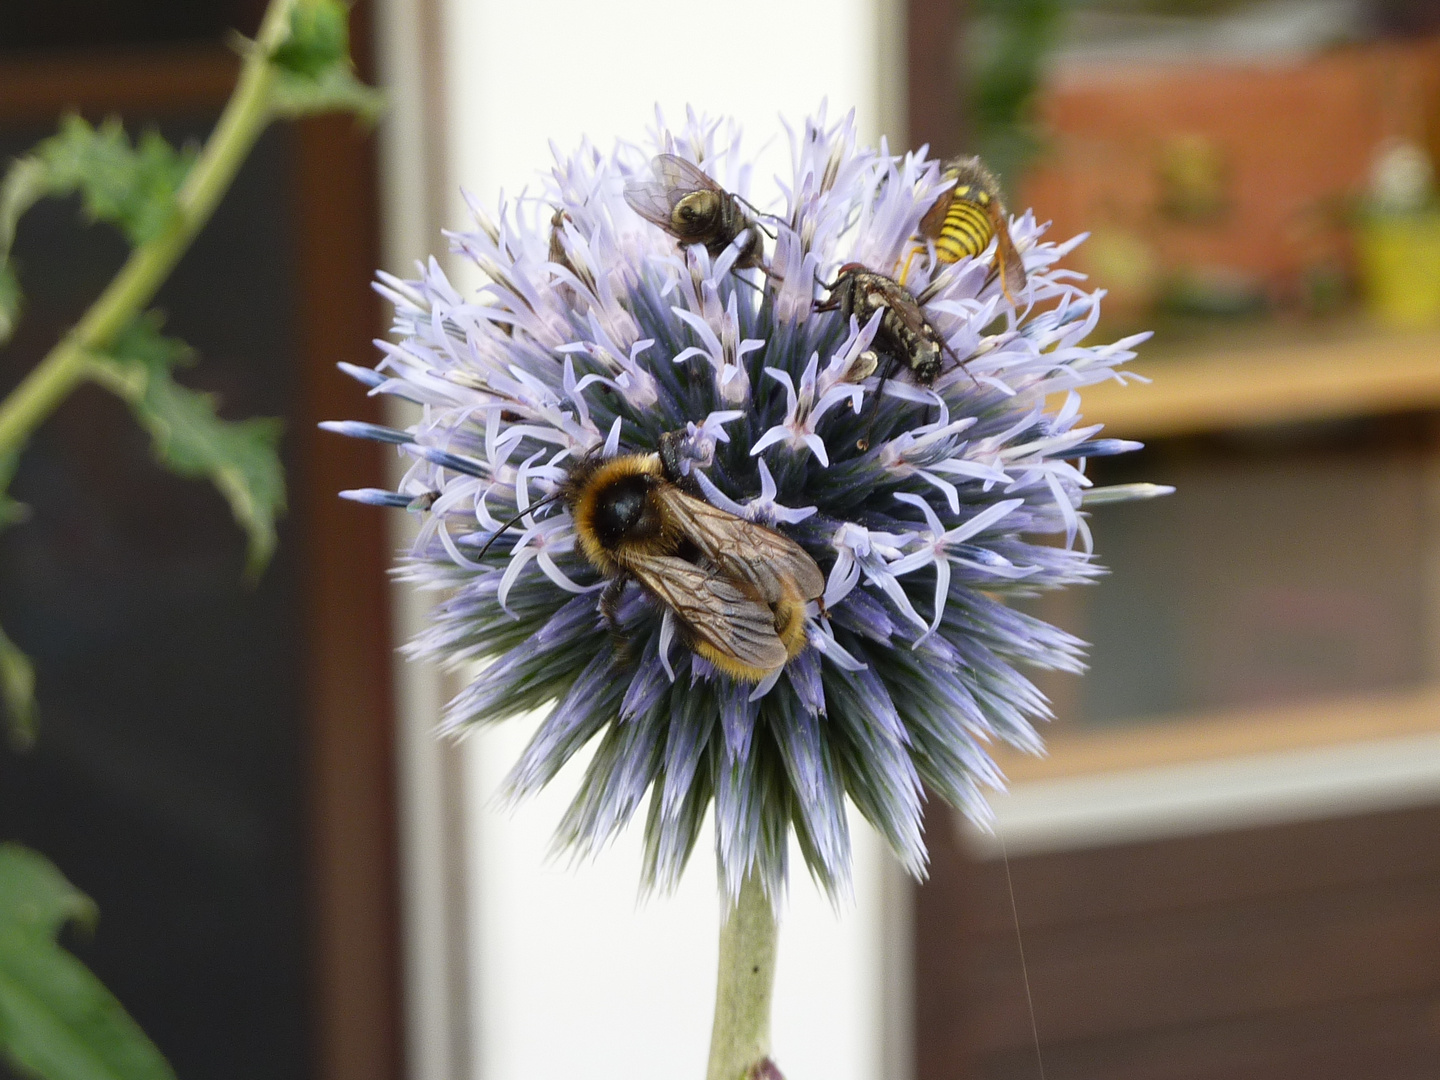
{"x": 596, "y": 336}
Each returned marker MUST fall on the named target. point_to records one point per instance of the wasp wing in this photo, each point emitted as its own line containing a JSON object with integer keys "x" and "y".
{"x": 1007, "y": 260}
{"x": 934, "y": 219}
{"x": 749, "y": 553}
{"x": 715, "y": 611}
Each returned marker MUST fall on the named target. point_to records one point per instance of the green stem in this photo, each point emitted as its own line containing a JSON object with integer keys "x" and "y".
{"x": 67, "y": 364}
{"x": 740, "y": 1039}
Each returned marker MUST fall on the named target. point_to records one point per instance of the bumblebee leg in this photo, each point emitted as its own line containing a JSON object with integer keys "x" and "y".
{"x": 620, "y": 645}
{"x": 610, "y": 601}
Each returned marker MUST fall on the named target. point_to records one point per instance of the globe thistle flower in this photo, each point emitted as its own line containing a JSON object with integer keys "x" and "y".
{"x": 595, "y": 335}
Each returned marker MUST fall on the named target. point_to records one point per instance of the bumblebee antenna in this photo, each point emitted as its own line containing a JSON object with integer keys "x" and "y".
{"x": 506, "y": 527}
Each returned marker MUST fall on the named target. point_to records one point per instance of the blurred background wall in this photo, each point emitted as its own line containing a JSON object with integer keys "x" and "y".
{"x": 214, "y": 762}
{"x": 1226, "y": 868}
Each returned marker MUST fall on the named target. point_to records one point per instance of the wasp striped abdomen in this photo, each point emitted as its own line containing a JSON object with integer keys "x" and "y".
{"x": 966, "y": 229}
{"x": 964, "y": 220}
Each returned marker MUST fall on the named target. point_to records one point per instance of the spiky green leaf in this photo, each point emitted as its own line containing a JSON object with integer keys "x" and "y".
{"x": 314, "y": 73}
{"x": 132, "y": 187}
{"x": 240, "y": 457}
{"x": 57, "y": 1021}
{"x": 319, "y": 38}
{"x": 334, "y": 90}
{"x": 25, "y": 183}
{"x": 17, "y": 689}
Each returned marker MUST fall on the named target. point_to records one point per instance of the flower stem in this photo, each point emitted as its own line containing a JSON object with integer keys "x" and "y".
{"x": 246, "y": 115}
{"x": 740, "y": 1039}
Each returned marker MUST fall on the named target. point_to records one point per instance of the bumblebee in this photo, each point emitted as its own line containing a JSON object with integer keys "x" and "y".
{"x": 904, "y": 335}
{"x": 737, "y": 589}
{"x": 964, "y": 219}
{"x": 694, "y": 209}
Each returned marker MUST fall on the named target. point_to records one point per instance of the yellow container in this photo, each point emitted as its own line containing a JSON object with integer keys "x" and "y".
{"x": 1400, "y": 269}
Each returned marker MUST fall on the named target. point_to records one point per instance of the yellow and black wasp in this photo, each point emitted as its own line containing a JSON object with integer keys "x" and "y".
{"x": 963, "y": 221}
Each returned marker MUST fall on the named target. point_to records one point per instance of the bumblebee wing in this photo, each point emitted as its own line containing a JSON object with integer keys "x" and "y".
{"x": 1007, "y": 259}
{"x": 734, "y": 630}
{"x": 749, "y": 553}
{"x": 681, "y": 176}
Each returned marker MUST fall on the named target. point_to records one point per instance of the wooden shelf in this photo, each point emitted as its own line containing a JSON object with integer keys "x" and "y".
{"x": 1358, "y": 372}
{"x": 1230, "y": 733}
{"x": 99, "y": 82}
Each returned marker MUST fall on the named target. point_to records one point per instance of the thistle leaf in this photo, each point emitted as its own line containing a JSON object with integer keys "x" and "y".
{"x": 17, "y": 690}
{"x": 334, "y": 90}
{"x": 319, "y": 38}
{"x": 25, "y": 183}
{"x": 133, "y": 188}
{"x": 240, "y": 457}
{"x": 314, "y": 71}
{"x": 57, "y": 1021}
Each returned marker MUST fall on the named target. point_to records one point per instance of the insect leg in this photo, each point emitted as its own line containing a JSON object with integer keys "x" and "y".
{"x": 610, "y": 600}
{"x": 863, "y": 443}
{"x": 905, "y": 272}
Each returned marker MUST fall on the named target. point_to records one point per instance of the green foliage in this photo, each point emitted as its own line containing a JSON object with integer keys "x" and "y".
{"x": 132, "y": 187}
{"x": 1014, "y": 37}
{"x": 240, "y": 457}
{"x": 313, "y": 68}
{"x": 17, "y": 691}
{"x": 57, "y": 1021}
{"x": 26, "y": 181}
{"x": 334, "y": 90}
{"x": 319, "y": 38}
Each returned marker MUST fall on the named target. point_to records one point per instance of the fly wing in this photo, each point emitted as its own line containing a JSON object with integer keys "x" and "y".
{"x": 681, "y": 176}
{"x": 650, "y": 200}
{"x": 655, "y": 200}
{"x": 715, "y": 611}
{"x": 905, "y": 309}
{"x": 749, "y": 553}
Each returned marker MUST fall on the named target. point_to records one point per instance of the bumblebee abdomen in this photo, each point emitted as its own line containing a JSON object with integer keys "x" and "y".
{"x": 967, "y": 230}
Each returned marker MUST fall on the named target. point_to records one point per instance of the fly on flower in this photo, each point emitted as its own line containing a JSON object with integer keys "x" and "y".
{"x": 694, "y": 209}
{"x": 905, "y": 336}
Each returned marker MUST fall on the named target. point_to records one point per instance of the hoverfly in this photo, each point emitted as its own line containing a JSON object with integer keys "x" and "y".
{"x": 963, "y": 220}
{"x": 737, "y": 589}
{"x": 694, "y": 209}
{"x": 904, "y": 335}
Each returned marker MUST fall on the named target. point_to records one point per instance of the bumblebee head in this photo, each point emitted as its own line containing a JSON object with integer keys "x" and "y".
{"x": 611, "y": 503}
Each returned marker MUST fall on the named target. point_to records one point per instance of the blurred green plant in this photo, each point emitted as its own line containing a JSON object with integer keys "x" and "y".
{"x": 1010, "y": 40}
{"x": 56, "y": 1020}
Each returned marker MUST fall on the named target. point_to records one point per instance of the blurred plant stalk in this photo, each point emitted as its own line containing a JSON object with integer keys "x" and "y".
{"x": 249, "y": 111}
{"x": 740, "y": 1038}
